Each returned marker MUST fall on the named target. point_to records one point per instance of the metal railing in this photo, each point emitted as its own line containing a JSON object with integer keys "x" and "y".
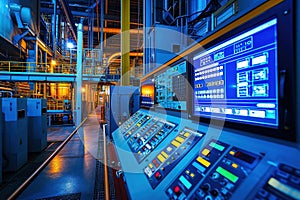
{"x": 34, "y": 67}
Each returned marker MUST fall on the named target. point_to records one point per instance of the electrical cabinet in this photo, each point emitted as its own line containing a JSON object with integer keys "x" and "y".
{"x": 37, "y": 124}
{"x": 15, "y": 136}
{"x": 123, "y": 102}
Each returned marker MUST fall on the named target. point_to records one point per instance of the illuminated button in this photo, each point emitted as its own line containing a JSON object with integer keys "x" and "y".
{"x": 187, "y": 171}
{"x": 164, "y": 154}
{"x": 157, "y": 175}
{"x": 175, "y": 143}
{"x": 139, "y": 152}
{"x": 150, "y": 165}
{"x": 192, "y": 175}
{"x": 232, "y": 153}
{"x": 161, "y": 158}
{"x": 177, "y": 189}
{"x": 187, "y": 134}
{"x": 205, "y": 152}
{"x": 169, "y": 149}
{"x": 234, "y": 165}
{"x": 203, "y": 161}
{"x": 180, "y": 139}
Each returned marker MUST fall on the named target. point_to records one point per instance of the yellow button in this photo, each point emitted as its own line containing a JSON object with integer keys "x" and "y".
{"x": 180, "y": 139}
{"x": 203, "y": 161}
{"x": 205, "y": 152}
{"x": 187, "y": 134}
{"x": 164, "y": 154}
{"x": 192, "y": 175}
{"x": 150, "y": 165}
{"x": 231, "y": 152}
{"x": 161, "y": 158}
{"x": 234, "y": 165}
{"x": 175, "y": 143}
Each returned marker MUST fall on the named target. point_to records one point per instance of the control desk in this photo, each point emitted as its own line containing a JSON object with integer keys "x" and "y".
{"x": 167, "y": 157}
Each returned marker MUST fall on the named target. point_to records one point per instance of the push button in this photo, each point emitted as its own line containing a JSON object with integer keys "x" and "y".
{"x": 157, "y": 175}
{"x": 177, "y": 190}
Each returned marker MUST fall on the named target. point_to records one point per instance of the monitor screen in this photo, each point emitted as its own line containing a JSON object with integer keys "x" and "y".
{"x": 170, "y": 87}
{"x": 147, "y": 93}
{"x": 237, "y": 79}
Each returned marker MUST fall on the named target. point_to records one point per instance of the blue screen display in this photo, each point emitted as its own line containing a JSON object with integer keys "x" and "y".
{"x": 237, "y": 79}
{"x": 170, "y": 88}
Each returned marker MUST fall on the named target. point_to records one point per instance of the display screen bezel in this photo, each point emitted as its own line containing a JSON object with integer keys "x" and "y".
{"x": 286, "y": 70}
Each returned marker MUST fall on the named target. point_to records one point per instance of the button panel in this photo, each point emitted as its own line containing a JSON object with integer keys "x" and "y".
{"x": 283, "y": 183}
{"x": 227, "y": 174}
{"x": 132, "y": 129}
{"x": 168, "y": 158}
{"x": 197, "y": 169}
{"x": 131, "y": 122}
{"x": 147, "y": 137}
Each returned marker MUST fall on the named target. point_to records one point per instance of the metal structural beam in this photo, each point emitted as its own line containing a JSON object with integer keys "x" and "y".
{"x": 125, "y": 42}
{"x": 65, "y": 6}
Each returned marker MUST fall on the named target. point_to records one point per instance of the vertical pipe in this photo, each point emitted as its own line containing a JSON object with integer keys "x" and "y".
{"x": 125, "y": 42}
{"x": 101, "y": 25}
{"x": 78, "y": 83}
{"x": 54, "y": 26}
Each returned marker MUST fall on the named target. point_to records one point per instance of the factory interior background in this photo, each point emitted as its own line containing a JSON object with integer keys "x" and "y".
{"x": 137, "y": 99}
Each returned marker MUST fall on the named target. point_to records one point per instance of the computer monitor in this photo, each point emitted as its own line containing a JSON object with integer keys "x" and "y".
{"x": 171, "y": 87}
{"x": 242, "y": 78}
{"x": 147, "y": 93}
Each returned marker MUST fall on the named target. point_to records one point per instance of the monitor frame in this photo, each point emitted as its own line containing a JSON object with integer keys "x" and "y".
{"x": 286, "y": 129}
{"x": 145, "y": 82}
{"x": 181, "y": 60}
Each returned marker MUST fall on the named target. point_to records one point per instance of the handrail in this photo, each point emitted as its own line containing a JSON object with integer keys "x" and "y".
{"x": 20, "y": 189}
{"x": 106, "y": 181}
{"x": 36, "y": 67}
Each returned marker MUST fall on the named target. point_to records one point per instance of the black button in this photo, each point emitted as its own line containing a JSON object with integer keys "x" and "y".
{"x": 214, "y": 192}
{"x": 286, "y": 168}
{"x": 205, "y": 187}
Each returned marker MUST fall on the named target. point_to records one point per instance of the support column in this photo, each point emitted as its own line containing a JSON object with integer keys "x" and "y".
{"x": 78, "y": 83}
{"x": 125, "y": 42}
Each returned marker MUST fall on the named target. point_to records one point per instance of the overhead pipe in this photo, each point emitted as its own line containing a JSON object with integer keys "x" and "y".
{"x": 113, "y": 30}
{"x": 118, "y": 54}
{"x": 69, "y": 17}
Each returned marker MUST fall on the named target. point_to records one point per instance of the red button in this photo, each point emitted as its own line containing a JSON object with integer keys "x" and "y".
{"x": 177, "y": 189}
{"x": 157, "y": 175}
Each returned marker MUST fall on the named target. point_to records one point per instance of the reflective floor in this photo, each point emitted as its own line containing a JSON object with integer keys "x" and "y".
{"x": 71, "y": 174}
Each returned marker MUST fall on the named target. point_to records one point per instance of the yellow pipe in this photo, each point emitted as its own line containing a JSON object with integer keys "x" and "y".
{"x": 125, "y": 41}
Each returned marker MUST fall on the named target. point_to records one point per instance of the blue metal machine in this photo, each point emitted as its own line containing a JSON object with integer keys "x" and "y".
{"x": 117, "y": 113}
{"x": 37, "y": 124}
{"x": 15, "y": 136}
{"x": 167, "y": 157}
